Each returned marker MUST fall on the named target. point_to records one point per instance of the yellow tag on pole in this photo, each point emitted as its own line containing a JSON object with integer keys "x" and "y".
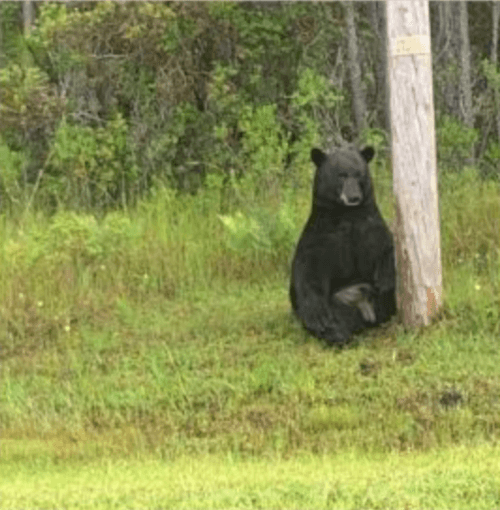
{"x": 410, "y": 45}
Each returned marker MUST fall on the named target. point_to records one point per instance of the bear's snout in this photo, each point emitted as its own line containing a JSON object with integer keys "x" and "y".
{"x": 351, "y": 192}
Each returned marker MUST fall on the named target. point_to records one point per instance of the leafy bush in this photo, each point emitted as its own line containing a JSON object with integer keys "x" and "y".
{"x": 29, "y": 106}
{"x": 455, "y": 143}
{"x": 88, "y": 166}
{"x": 490, "y": 164}
{"x": 261, "y": 232}
{"x": 13, "y": 167}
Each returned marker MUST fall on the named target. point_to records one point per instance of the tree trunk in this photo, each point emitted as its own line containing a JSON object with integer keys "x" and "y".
{"x": 465, "y": 81}
{"x": 358, "y": 103}
{"x": 494, "y": 59}
{"x": 378, "y": 21}
{"x": 27, "y": 16}
{"x": 1, "y": 40}
{"x": 418, "y": 250}
{"x": 446, "y": 39}
{"x": 446, "y": 46}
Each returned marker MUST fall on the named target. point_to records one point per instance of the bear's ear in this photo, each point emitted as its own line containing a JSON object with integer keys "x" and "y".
{"x": 318, "y": 156}
{"x": 367, "y": 153}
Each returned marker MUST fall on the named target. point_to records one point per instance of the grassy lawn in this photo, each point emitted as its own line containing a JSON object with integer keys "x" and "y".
{"x": 150, "y": 361}
{"x": 451, "y": 478}
{"x": 232, "y": 371}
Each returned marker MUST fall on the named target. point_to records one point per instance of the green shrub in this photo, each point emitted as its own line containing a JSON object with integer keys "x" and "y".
{"x": 29, "y": 103}
{"x": 490, "y": 164}
{"x": 455, "y": 143}
{"x": 13, "y": 166}
{"x": 262, "y": 233}
{"x": 88, "y": 166}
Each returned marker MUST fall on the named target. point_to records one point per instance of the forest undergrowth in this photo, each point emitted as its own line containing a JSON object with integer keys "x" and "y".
{"x": 167, "y": 330}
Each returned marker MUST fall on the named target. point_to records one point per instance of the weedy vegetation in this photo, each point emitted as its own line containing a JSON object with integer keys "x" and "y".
{"x": 165, "y": 333}
{"x": 150, "y": 205}
{"x": 167, "y": 330}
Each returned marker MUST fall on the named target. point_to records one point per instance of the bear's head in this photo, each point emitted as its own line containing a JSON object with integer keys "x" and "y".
{"x": 342, "y": 179}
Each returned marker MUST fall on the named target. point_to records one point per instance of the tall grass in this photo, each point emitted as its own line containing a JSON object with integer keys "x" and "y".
{"x": 59, "y": 271}
{"x": 163, "y": 329}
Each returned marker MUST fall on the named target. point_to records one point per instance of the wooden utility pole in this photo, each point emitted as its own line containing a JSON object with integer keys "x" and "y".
{"x": 418, "y": 248}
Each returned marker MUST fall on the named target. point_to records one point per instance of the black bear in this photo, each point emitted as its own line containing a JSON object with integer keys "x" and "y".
{"x": 343, "y": 272}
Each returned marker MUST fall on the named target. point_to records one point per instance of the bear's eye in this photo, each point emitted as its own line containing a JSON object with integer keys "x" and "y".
{"x": 343, "y": 175}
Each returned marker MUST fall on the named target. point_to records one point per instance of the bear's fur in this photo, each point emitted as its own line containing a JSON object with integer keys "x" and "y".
{"x": 343, "y": 272}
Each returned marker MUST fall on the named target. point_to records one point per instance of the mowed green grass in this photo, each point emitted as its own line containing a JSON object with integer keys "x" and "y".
{"x": 451, "y": 478}
{"x": 145, "y": 342}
